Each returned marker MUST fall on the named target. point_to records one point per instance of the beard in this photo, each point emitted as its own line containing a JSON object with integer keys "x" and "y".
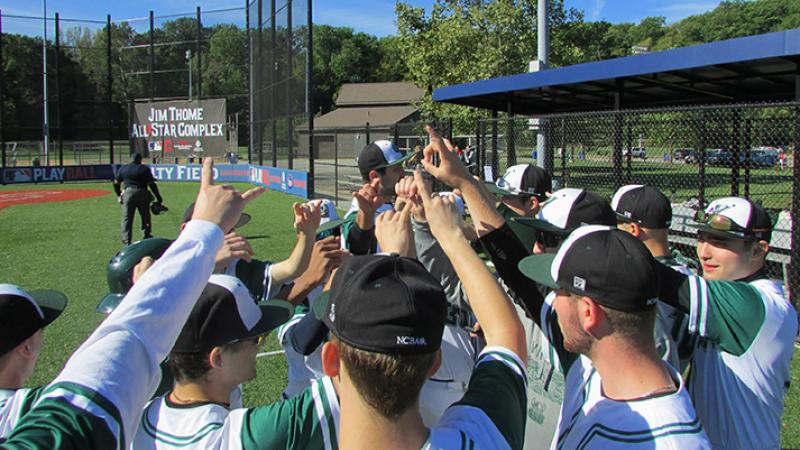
{"x": 576, "y": 340}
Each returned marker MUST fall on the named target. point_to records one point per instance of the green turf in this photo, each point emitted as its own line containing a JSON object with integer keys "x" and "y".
{"x": 67, "y": 246}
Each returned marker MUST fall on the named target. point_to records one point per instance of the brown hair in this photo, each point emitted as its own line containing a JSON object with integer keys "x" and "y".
{"x": 191, "y": 366}
{"x": 635, "y": 327}
{"x": 389, "y": 383}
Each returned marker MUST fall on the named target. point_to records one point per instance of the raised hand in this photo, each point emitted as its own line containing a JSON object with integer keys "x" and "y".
{"x": 326, "y": 256}
{"x": 369, "y": 197}
{"x": 222, "y": 205}
{"x": 307, "y": 217}
{"x": 443, "y": 217}
{"x": 451, "y": 169}
{"x": 393, "y": 232}
{"x": 406, "y": 190}
{"x": 233, "y": 247}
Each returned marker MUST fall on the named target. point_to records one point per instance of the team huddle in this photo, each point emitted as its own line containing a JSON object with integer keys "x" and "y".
{"x": 496, "y": 315}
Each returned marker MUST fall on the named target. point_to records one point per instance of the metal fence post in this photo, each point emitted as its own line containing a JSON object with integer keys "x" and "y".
{"x": 618, "y": 130}
{"x": 289, "y": 69}
{"x": 250, "y": 90}
{"x": 701, "y": 163}
{"x": 747, "y": 143}
{"x": 367, "y": 135}
{"x": 199, "y": 55}
{"x": 563, "y": 155}
{"x": 152, "y": 56}
{"x": 795, "y": 238}
{"x": 735, "y": 150}
{"x": 273, "y": 75}
{"x": 478, "y": 146}
{"x": 511, "y": 147}
{"x": 2, "y": 102}
{"x": 309, "y": 95}
{"x": 110, "y": 96}
{"x": 494, "y": 143}
{"x": 58, "y": 94}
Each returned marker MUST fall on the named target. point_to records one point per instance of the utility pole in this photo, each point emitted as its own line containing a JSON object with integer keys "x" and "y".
{"x": 189, "y": 60}
{"x": 541, "y": 63}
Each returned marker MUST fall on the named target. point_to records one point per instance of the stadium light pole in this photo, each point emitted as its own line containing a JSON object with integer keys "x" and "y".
{"x": 189, "y": 61}
{"x": 44, "y": 89}
{"x": 541, "y": 63}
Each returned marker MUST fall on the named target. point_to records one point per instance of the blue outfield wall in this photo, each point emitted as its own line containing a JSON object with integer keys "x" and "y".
{"x": 293, "y": 182}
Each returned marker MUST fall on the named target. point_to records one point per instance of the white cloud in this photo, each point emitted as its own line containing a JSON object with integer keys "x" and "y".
{"x": 596, "y": 9}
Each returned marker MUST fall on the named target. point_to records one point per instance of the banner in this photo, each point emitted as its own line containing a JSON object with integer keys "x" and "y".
{"x": 292, "y": 182}
{"x": 223, "y": 173}
{"x": 15, "y": 175}
{"x": 179, "y": 128}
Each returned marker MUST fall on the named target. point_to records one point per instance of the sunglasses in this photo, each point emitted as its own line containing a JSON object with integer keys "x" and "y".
{"x": 257, "y": 340}
{"x": 724, "y": 223}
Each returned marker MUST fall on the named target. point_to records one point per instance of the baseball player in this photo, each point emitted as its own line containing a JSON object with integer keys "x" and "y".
{"x": 136, "y": 178}
{"x": 382, "y": 360}
{"x": 97, "y": 399}
{"x": 23, "y": 318}
{"x": 381, "y": 166}
{"x": 746, "y": 327}
{"x": 646, "y": 213}
{"x": 619, "y": 393}
{"x": 521, "y": 191}
{"x": 216, "y": 351}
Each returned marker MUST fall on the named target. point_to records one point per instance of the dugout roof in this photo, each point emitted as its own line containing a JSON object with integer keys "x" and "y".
{"x": 765, "y": 67}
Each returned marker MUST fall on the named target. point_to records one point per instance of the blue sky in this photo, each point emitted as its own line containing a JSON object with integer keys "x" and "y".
{"x": 371, "y": 16}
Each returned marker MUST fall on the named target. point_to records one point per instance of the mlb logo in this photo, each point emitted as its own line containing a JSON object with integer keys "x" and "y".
{"x": 579, "y": 283}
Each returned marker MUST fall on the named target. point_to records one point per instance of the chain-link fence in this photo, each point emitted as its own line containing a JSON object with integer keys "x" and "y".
{"x": 97, "y": 68}
{"x": 692, "y": 154}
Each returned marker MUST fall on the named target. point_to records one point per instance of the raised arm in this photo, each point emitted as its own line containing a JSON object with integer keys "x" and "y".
{"x": 491, "y": 305}
{"x": 306, "y": 222}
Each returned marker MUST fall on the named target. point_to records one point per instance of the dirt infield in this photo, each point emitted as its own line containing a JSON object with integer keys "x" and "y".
{"x": 29, "y": 196}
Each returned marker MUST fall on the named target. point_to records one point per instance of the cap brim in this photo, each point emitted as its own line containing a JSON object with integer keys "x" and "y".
{"x": 398, "y": 162}
{"x": 52, "y": 303}
{"x": 321, "y": 304}
{"x": 541, "y": 225}
{"x": 493, "y": 189}
{"x": 274, "y": 313}
{"x": 109, "y": 303}
{"x": 723, "y": 234}
{"x": 244, "y": 219}
{"x": 333, "y": 224}
{"x": 537, "y": 268}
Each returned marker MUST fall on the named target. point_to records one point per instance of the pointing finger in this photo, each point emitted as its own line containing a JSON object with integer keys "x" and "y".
{"x": 207, "y": 174}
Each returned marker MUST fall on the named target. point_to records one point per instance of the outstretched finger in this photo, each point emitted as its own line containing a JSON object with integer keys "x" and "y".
{"x": 422, "y": 188}
{"x": 405, "y": 213}
{"x": 252, "y": 193}
{"x": 207, "y": 174}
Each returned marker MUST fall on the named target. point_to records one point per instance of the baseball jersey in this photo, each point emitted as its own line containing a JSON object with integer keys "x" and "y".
{"x": 741, "y": 367}
{"x": 308, "y": 420}
{"x": 256, "y": 276}
{"x": 673, "y": 343}
{"x": 301, "y": 370}
{"x": 350, "y": 221}
{"x": 590, "y": 420}
{"x": 491, "y": 415}
{"x": 97, "y": 399}
{"x": 15, "y": 403}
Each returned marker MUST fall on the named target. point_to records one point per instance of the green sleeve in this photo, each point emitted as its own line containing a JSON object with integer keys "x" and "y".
{"x": 728, "y": 313}
{"x": 347, "y": 226}
{"x": 498, "y": 388}
{"x": 305, "y": 421}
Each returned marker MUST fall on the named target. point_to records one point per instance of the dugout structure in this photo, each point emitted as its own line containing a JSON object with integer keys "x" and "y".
{"x": 697, "y": 122}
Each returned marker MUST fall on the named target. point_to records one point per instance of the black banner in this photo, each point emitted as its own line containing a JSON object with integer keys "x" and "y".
{"x": 179, "y": 129}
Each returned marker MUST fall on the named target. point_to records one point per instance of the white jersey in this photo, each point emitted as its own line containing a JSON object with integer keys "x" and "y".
{"x": 14, "y": 404}
{"x": 491, "y": 413}
{"x": 742, "y": 366}
{"x": 309, "y": 420}
{"x": 589, "y": 420}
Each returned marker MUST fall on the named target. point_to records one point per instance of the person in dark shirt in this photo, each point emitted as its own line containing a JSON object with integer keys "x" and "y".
{"x": 134, "y": 195}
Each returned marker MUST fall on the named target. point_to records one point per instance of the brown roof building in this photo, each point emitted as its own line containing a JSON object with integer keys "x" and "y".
{"x": 364, "y": 112}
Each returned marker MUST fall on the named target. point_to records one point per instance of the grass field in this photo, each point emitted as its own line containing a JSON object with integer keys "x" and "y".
{"x": 67, "y": 246}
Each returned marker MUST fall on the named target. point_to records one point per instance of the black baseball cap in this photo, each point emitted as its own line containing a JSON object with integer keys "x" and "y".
{"x": 380, "y": 154}
{"x": 644, "y": 205}
{"x": 606, "y": 264}
{"x": 522, "y": 179}
{"x": 23, "y": 313}
{"x": 736, "y": 217}
{"x": 384, "y": 304}
{"x": 243, "y": 219}
{"x": 226, "y": 313}
{"x": 569, "y": 208}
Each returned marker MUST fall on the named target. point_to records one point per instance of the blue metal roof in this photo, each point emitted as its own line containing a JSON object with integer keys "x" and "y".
{"x": 754, "y": 68}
